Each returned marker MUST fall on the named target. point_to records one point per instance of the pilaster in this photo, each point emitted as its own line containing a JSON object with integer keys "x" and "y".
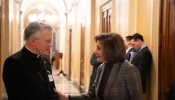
{"x": 5, "y": 40}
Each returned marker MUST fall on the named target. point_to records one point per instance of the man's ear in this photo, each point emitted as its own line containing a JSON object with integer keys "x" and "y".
{"x": 140, "y": 41}
{"x": 32, "y": 40}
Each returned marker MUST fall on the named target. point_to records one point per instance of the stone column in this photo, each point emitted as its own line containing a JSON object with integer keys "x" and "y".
{"x": 5, "y": 49}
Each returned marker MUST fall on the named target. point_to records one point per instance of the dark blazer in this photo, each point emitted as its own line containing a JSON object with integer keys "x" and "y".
{"x": 172, "y": 92}
{"x": 124, "y": 86}
{"x": 128, "y": 54}
{"x": 142, "y": 61}
{"x": 26, "y": 77}
{"x": 95, "y": 65}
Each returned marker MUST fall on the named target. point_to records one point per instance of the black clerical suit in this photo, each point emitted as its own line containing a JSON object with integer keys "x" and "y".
{"x": 172, "y": 92}
{"x": 26, "y": 77}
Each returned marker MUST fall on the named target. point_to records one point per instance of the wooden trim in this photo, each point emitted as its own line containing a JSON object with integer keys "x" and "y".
{"x": 83, "y": 21}
{"x": 106, "y": 7}
{"x": 166, "y": 54}
{"x": 103, "y": 2}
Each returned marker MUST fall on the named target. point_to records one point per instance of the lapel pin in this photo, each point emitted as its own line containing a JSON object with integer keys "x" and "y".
{"x": 45, "y": 62}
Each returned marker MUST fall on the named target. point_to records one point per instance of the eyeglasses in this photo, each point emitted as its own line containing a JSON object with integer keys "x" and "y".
{"x": 46, "y": 41}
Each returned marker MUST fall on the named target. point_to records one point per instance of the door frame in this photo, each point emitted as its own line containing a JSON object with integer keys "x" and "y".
{"x": 164, "y": 76}
{"x": 82, "y": 50}
{"x": 70, "y": 50}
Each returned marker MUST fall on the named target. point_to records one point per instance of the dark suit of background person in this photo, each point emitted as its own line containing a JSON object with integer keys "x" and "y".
{"x": 172, "y": 87}
{"x": 172, "y": 92}
{"x": 95, "y": 64}
{"x": 27, "y": 75}
{"x": 129, "y": 48}
{"x": 143, "y": 58}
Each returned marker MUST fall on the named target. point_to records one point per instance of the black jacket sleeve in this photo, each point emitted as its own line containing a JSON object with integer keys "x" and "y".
{"x": 94, "y": 61}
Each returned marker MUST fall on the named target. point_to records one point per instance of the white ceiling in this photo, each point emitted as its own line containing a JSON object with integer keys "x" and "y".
{"x": 53, "y": 6}
{"x": 56, "y": 7}
{"x": 59, "y": 5}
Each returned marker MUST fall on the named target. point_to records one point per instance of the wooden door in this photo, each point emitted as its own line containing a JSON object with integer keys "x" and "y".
{"x": 54, "y": 42}
{"x": 166, "y": 48}
{"x": 82, "y": 42}
{"x": 0, "y": 29}
{"x": 109, "y": 20}
{"x": 70, "y": 50}
{"x": 106, "y": 20}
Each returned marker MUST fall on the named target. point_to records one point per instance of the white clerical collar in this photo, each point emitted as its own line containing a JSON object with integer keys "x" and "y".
{"x": 32, "y": 52}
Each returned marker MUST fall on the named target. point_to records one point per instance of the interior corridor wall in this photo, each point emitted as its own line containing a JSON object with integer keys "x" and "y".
{"x": 5, "y": 41}
{"x": 132, "y": 18}
{"x": 75, "y": 46}
{"x": 81, "y": 13}
{"x": 138, "y": 16}
{"x": 147, "y": 24}
{"x": 144, "y": 19}
{"x": 61, "y": 37}
{"x": 15, "y": 27}
{"x": 10, "y": 35}
{"x": 91, "y": 43}
{"x": 128, "y": 17}
{"x": 121, "y": 16}
{"x": 124, "y": 16}
{"x": 71, "y": 24}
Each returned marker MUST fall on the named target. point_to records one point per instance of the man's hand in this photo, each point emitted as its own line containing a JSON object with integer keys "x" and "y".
{"x": 61, "y": 95}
